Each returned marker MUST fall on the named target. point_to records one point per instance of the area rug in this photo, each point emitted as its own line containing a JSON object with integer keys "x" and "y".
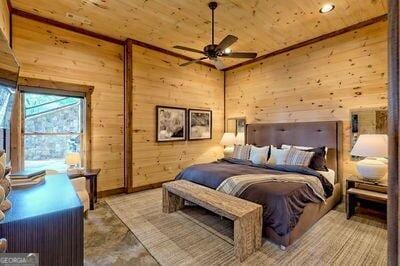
{"x": 194, "y": 236}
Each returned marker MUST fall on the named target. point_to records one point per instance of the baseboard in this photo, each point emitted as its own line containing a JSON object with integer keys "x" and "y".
{"x": 115, "y": 191}
{"x": 145, "y": 187}
{"x": 110, "y": 192}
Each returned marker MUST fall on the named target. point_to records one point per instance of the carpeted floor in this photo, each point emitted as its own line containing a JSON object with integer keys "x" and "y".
{"x": 197, "y": 237}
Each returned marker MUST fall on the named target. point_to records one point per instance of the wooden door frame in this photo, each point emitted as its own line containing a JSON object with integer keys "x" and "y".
{"x": 394, "y": 138}
{"x": 34, "y": 85}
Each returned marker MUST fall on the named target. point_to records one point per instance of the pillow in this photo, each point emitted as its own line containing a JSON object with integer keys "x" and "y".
{"x": 318, "y": 161}
{"x": 298, "y": 157}
{"x": 278, "y": 156}
{"x": 286, "y": 146}
{"x": 241, "y": 152}
{"x": 259, "y": 155}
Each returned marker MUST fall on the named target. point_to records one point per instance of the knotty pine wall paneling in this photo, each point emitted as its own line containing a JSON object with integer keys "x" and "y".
{"x": 5, "y": 19}
{"x": 320, "y": 82}
{"x": 48, "y": 52}
{"x": 159, "y": 80}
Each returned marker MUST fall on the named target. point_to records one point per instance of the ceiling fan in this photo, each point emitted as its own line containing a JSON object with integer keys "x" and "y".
{"x": 215, "y": 51}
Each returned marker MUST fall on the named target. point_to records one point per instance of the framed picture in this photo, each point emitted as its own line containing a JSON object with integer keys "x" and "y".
{"x": 200, "y": 124}
{"x": 171, "y": 123}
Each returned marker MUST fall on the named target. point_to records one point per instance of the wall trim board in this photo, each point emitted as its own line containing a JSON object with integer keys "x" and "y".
{"x": 311, "y": 41}
{"x": 224, "y": 101}
{"x": 55, "y": 85}
{"x": 55, "y": 23}
{"x": 394, "y": 123}
{"x": 65, "y": 26}
{"x": 168, "y": 52}
{"x": 128, "y": 114}
{"x": 115, "y": 191}
{"x": 110, "y": 192}
{"x": 9, "y": 5}
{"x": 150, "y": 186}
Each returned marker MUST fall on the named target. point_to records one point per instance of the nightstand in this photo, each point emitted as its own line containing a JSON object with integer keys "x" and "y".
{"x": 357, "y": 188}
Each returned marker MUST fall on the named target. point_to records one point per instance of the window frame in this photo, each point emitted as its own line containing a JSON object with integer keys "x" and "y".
{"x": 32, "y": 85}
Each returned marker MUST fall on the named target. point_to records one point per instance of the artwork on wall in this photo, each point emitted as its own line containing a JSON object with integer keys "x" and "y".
{"x": 171, "y": 123}
{"x": 200, "y": 124}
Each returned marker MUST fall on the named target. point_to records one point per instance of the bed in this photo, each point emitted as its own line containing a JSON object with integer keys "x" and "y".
{"x": 291, "y": 207}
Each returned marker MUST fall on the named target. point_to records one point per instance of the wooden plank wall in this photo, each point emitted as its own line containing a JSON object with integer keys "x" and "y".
{"x": 4, "y": 19}
{"x": 48, "y": 52}
{"x": 159, "y": 80}
{"x": 320, "y": 82}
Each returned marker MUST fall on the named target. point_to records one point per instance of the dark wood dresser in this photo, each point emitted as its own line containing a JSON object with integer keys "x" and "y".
{"x": 46, "y": 219}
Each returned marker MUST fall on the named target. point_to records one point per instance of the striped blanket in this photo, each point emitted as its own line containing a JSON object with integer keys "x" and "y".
{"x": 235, "y": 185}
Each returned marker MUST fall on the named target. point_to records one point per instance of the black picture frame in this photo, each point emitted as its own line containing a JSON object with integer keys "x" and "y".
{"x": 191, "y": 135}
{"x": 159, "y": 134}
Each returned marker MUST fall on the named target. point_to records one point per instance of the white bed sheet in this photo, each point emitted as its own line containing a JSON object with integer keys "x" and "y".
{"x": 330, "y": 175}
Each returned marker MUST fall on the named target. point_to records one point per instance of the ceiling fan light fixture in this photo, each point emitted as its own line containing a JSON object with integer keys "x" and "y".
{"x": 227, "y": 50}
{"x": 327, "y": 8}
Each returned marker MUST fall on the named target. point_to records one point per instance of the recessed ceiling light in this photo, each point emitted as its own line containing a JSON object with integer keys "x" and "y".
{"x": 228, "y": 50}
{"x": 327, "y": 8}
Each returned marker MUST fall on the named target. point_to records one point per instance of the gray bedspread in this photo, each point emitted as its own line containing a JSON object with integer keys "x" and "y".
{"x": 283, "y": 202}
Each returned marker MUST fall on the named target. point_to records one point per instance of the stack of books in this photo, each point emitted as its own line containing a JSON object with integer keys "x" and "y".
{"x": 27, "y": 178}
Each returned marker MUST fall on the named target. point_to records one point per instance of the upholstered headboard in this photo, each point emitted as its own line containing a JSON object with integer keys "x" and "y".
{"x": 312, "y": 134}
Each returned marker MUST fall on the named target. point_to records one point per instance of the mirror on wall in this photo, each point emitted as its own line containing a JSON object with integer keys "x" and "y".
{"x": 368, "y": 121}
{"x": 237, "y": 125}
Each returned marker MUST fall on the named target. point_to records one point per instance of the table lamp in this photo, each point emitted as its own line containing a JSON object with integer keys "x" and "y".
{"x": 73, "y": 159}
{"x": 374, "y": 147}
{"x": 228, "y": 140}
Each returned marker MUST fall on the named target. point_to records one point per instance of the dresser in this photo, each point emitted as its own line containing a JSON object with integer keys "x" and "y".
{"x": 46, "y": 219}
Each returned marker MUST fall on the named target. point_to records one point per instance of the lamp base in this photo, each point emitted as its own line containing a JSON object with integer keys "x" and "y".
{"x": 228, "y": 151}
{"x": 372, "y": 169}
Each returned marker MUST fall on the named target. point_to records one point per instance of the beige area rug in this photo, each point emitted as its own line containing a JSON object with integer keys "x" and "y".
{"x": 195, "y": 236}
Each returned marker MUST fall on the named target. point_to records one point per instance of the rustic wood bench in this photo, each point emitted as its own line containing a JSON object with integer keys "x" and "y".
{"x": 247, "y": 216}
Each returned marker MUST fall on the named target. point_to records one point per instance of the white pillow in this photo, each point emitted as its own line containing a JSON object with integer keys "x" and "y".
{"x": 259, "y": 155}
{"x": 285, "y": 147}
{"x": 278, "y": 156}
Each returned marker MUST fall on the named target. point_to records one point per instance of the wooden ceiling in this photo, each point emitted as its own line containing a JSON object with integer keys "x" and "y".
{"x": 262, "y": 26}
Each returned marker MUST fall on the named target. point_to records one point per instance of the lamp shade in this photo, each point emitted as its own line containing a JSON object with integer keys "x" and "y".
{"x": 371, "y": 145}
{"x": 228, "y": 139}
{"x": 73, "y": 158}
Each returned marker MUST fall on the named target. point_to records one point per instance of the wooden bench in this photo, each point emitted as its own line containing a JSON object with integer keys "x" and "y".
{"x": 247, "y": 216}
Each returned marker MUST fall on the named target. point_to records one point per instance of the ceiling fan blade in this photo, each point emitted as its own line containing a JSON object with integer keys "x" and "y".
{"x": 188, "y": 49}
{"x": 218, "y": 64}
{"x": 193, "y": 61}
{"x": 226, "y": 42}
{"x": 241, "y": 55}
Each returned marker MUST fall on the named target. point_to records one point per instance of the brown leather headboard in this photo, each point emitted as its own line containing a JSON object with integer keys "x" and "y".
{"x": 312, "y": 134}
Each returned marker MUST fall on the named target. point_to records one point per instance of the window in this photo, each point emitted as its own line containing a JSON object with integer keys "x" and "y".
{"x": 7, "y": 93}
{"x": 52, "y": 126}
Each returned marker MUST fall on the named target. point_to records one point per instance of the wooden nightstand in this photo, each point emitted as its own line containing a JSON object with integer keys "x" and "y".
{"x": 90, "y": 174}
{"x": 357, "y": 188}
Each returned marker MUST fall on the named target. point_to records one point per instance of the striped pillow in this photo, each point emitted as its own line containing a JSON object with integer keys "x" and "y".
{"x": 298, "y": 157}
{"x": 241, "y": 152}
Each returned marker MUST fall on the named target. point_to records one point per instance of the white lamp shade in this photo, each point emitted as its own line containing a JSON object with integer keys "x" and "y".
{"x": 371, "y": 145}
{"x": 228, "y": 139}
{"x": 73, "y": 158}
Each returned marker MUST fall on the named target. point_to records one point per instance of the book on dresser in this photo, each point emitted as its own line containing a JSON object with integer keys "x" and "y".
{"x": 27, "y": 178}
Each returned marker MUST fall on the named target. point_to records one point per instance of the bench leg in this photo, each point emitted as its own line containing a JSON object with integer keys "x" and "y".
{"x": 247, "y": 234}
{"x": 171, "y": 202}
